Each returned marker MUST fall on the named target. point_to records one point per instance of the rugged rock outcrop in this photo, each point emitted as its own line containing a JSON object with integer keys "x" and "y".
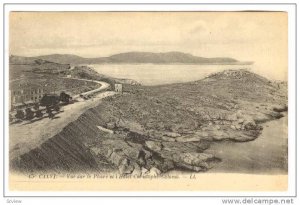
{"x": 161, "y": 128}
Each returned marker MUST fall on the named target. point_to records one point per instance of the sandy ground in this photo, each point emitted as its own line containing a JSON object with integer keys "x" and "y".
{"x": 27, "y": 135}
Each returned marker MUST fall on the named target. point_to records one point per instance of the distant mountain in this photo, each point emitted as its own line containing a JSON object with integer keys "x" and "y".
{"x": 63, "y": 58}
{"x": 36, "y": 67}
{"x": 32, "y": 63}
{"x": 73, "y": 59}
{"x": 21, "y": 65}
{"x": 165, "y": 58}
{"x": 140, "y": 57}
{"x": 20, "y": 60}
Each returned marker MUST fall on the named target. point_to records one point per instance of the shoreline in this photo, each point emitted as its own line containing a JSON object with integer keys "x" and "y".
{"x": 273, "y": 157}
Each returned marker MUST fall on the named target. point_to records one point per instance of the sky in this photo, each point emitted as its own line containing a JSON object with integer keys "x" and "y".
{"x": 247, "y": 36}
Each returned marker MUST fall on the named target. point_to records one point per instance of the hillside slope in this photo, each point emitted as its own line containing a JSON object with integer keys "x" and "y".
{"x": 161, "y": 128}
{"x": 70, "y": 59}
{"x": 28, "y": 66}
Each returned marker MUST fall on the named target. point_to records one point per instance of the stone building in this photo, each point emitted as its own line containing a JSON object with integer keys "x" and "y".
{"x": 20, "y": 95}
{"x": 119, "y": 88}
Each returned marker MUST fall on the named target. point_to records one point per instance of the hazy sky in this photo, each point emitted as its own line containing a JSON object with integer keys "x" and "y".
{"x": 251, "y": 36}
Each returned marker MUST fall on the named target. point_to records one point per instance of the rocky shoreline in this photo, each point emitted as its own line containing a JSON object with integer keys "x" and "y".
{"x": 267, "y": 154}
{"x": 162, "y": 128}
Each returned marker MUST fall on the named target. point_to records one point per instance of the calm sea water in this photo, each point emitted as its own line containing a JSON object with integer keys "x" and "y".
{"x": 266, "y": 154}
{"x": 150, "y": 74}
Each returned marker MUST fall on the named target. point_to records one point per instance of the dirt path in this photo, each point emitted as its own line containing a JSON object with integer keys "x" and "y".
{"x": 27, "y": 135}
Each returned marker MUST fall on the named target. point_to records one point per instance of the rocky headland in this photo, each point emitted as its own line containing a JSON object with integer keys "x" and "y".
{"x": 155, "y": 129}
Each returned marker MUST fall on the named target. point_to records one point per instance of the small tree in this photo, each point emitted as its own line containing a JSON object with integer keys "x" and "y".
{"x": 38, "y": 114}
{"x": 64, "y": 97}
{"x": 29, "y": 114}
{"x": 50, "y": 115}
{"x": 20, "y": 114}
{"x": 57, "y": 108}
{"x": 49, "y": 111}
{"x": 36, "y": 106}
